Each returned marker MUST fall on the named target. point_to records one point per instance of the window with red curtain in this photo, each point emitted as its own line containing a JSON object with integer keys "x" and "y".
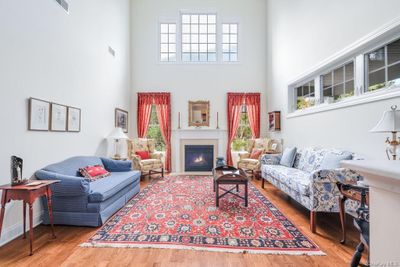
{"x": 243, "y": 120}
{"x": 162, "y": 104}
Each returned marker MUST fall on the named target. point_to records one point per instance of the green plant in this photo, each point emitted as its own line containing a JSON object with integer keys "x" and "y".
{"x": 343, "y": 96}
{"x": 154, "y": 131}
{"x": 238, "y": 144}
{"x": 305, "y": 102}
{"x": 376, "y": 86}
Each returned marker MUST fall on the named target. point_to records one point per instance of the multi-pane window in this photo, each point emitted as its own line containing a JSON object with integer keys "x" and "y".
{"x": 243, "y": 132}
{"x": 154, "y": 130}
{"x": 167, "y": 42}
{"x": 305, "y": 95}
{"x": 382, "y": 66}
{"x": 199, "y": 33}
{"x": 338, "y": 83}
{"x": 230, "y": 42}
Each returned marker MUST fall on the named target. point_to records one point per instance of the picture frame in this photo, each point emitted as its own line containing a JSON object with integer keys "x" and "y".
{"x": 274, "y": 121}
{"x": 121, "y": 119}
{"x": 73, "y": 119}
{"x": 58, "y": 121}
{"x": 199, "y": 113}
{"x": 38, "y": 115}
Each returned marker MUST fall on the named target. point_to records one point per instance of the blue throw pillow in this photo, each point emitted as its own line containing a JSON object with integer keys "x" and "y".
{"x": 117, "y": 165}
{"x": 288, "y": 157}
{"x": 332, "y": 160}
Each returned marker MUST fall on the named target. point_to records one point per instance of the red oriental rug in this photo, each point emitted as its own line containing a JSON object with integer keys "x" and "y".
{"x": 178, "y": 212}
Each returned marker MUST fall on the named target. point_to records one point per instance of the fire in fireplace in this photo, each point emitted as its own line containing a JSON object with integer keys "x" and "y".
{"x": 199, "y": 158}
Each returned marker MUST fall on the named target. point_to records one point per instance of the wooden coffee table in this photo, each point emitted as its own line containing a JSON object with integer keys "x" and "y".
{"x": 227, "y": 175}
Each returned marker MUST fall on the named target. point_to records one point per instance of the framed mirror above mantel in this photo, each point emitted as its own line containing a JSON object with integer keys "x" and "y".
{"x": 199, "y": 113}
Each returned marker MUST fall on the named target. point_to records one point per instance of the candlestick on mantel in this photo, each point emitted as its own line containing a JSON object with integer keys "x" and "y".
{"x": 217, "y": 121}
{"x": 179, "y": 120}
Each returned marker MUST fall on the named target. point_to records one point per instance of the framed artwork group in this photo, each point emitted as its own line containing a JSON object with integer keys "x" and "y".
{"x": 48, "y": 116}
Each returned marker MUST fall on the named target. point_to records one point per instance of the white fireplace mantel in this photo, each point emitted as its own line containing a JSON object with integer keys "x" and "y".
{"x": 218, "y": 135}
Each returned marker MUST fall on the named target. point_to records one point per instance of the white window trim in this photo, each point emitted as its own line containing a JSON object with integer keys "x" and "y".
{"x": 158, "y": 30}
{"x": 380, "y": 37}
{"x": 178, "y": 21}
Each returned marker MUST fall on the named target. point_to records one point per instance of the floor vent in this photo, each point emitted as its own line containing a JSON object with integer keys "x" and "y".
{"x": 64, "y": 4}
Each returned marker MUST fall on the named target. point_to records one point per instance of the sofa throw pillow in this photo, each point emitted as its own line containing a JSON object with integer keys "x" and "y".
{"x": 256, "y": 153}
{"x": 288, "y": 157}
{"x": 143, "y": 154}
{"x": 332, "y": 160}
{"x": 94, "y": 173}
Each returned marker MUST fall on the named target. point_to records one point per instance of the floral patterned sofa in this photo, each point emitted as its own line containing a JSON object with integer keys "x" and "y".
{"x": 309, "y": 185}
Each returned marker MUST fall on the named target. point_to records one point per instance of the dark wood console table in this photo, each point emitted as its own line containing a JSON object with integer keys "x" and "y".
{"x": 28, "y": 194}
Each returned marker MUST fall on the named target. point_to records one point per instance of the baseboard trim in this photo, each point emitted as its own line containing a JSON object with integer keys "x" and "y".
{"x": 12, "y": 232}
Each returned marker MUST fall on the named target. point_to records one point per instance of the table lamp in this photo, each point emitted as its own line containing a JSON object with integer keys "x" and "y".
{"x": 390, "y": 123}
{"x": 117, "y": 134}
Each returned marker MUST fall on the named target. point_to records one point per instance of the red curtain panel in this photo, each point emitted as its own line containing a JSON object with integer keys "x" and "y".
{"x": 234, "y": 106}
{"x": 163, "y": 107}
{"x": 145, "y": 102}
{"x": 252, "y": 101}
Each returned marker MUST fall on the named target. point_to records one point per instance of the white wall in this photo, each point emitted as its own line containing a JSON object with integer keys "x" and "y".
{"x": 303, "y": 33}
{"x": 48, "y": 54}
{"x": 199, "y": 81}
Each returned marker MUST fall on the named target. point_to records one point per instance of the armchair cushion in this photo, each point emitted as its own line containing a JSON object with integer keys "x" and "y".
{"x": 244, "y": 155}
{"x": 249, "y": 164}
{"x": 112, "y": 165}
{"x": 143, "y": 154}
{"x": 256, "y": 153}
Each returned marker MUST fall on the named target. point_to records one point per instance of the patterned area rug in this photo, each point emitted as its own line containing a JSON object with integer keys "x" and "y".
{"x": 178, "y": 212}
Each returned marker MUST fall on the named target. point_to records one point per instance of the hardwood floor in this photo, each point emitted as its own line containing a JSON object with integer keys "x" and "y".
{"x": 65, "y": 250}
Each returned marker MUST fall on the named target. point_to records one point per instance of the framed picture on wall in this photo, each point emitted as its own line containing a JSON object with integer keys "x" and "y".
{"x": 274, "y": 121}
{"x": 39, "y": 115}
{"x": 74, "y": 119}
{"x": 58, "y": 122}
{"x": 121, "y": 119}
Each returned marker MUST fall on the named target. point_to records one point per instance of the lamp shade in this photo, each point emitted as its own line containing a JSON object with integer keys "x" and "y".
{"x": 390, "y": 122}
{"x": 117, "y": 134}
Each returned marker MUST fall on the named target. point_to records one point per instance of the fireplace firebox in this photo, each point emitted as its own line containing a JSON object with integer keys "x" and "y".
{"x": 199, "y": 158}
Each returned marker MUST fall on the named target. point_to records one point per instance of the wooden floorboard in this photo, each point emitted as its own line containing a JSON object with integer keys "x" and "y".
{"x": 65, "y": 250}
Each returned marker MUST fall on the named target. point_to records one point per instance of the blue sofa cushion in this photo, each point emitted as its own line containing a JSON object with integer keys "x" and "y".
{"x": 332, "y": 160}
{"x": 117, "y": 165}
{"x": 288, "y": 156}
{"x": 105, "y": 188}
{"x": 72, "y": 165}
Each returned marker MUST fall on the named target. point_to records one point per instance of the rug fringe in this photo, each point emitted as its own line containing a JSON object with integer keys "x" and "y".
{"x": 160, "y": 246}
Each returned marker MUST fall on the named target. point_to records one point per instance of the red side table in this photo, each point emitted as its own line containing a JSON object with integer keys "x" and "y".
{"x": 28, "y": 194}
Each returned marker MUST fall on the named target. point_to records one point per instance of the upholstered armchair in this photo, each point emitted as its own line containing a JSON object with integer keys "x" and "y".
{"x": 147, "y": 166}
{"x": 250, "y": 161}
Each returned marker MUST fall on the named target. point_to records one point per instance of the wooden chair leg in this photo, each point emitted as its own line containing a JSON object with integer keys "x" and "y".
{"x": 162, "y": 172}
{"x": 313, "y": 221}
{"x": 263, "y": 183}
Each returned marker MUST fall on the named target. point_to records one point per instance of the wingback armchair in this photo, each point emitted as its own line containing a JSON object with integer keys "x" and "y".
{"x": 264, "y": 145}
{"x": 153, "y": 164}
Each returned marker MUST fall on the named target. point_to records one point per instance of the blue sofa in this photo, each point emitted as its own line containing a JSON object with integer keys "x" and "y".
{"x": 76, "y": 201}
